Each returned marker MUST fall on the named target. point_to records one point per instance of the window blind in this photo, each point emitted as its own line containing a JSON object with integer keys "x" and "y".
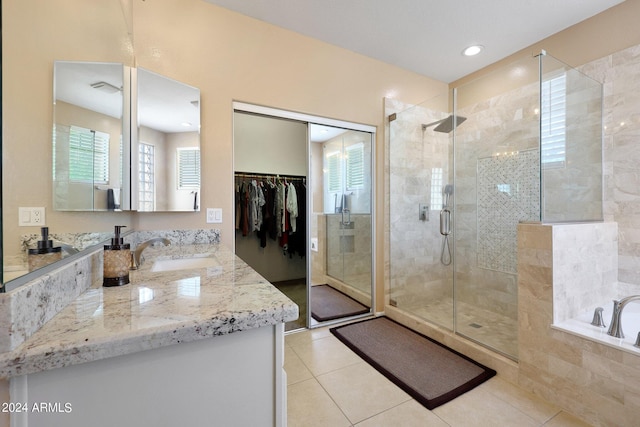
{"x": 553, "y": 122}
{"x": 88, "y": 155}
{"x": 188, "y": 168}
{"x": 334, "y": 173}
{"x": 355, "y": 166}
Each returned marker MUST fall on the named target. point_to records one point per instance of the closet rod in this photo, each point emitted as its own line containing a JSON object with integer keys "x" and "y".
{"x": 268, "y": 175}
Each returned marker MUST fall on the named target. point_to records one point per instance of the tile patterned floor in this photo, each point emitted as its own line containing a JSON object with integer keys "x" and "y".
{"x": 329, "y": 385}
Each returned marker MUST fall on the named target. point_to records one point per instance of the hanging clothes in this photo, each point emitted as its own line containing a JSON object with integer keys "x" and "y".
{"x": 292, "y": 206}
{"x": 274, "y": 209}
{"x": 301, "y": 226}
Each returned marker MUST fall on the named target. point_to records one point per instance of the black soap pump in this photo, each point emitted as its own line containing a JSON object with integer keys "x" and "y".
{"x": 45, "y": 253}
{"x": 117, "y": 257}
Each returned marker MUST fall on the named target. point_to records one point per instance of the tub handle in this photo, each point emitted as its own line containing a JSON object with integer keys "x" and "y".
{"x": 597, "y": 318}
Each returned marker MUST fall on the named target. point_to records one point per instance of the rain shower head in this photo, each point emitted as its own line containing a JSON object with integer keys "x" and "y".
{"x": 447, "y": 192}
{"x": 445, "y": 125}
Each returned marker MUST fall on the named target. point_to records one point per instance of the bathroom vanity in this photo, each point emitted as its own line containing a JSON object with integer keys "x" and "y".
{"x": 196, "y": 338}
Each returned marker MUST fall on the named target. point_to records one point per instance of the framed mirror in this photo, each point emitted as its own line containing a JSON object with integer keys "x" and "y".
{"x": 88, "y": 139}
{"x": 165, "y": 145}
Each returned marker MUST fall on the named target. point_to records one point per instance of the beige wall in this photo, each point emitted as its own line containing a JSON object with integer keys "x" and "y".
{"x": 228, "y": 56}
{"x": 34, "y": 35}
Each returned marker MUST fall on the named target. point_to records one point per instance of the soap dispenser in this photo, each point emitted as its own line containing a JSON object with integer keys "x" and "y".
{"x": 45, "y": 253}
{"x": 117, "y": 257}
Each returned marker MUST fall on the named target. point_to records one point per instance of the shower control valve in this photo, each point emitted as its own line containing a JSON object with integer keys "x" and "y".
{"x": 423, "y": 212}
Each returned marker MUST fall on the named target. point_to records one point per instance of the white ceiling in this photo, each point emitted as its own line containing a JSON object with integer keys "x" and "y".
{"x": 424, "y": 36}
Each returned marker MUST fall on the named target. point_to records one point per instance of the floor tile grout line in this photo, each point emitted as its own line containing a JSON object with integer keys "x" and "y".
{"x": 497, "y": 396}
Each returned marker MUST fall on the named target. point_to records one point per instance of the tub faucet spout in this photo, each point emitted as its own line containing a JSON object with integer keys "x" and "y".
{"x": 137, "y": 258}
{"x": 615, "y": 328}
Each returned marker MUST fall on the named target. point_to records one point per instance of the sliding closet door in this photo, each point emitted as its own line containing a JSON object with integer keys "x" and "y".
{"x": 268, "y": 152}
{"x": 333, "y": 162}
{"x": 341, "y": 257}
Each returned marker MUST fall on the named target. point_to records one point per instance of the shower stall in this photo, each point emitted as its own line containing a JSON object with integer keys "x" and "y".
{"x": 521, "y": 144}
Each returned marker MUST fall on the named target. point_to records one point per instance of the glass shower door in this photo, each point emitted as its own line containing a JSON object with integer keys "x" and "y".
{"x": 421, "y": 170}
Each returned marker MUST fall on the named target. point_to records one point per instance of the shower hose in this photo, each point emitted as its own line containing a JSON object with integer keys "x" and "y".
{"x": 445, "y": 230}
{"x": 445, "y": 256}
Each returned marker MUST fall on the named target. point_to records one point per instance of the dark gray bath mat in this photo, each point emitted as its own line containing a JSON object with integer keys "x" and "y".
{"x": 329, "y": 304}
{"x": 430, "y": 372}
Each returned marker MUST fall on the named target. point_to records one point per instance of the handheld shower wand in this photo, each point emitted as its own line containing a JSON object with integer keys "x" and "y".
{"x": 445, "y": 225}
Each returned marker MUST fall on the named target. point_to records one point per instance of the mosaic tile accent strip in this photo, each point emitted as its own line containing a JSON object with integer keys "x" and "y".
{"x": 508, "y": 192}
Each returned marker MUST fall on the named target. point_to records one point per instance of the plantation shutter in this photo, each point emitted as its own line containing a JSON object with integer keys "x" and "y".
{"x": 335, "y": 175}
{"x": 188, "y": 168}
{"x": 553, "y": 122}
{"x": 355, "y": 166}
{"x": 88, "y": 155}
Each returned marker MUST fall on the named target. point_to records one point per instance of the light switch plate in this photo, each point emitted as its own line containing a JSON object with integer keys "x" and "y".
{"x": 31, "y": 217}
{"x": 214, "y": 215}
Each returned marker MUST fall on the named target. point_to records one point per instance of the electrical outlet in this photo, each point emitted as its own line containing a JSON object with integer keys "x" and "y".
{"x": 30, "y": 217}
{"x": 37, "y": 216}
{"x": 214, "y": 215}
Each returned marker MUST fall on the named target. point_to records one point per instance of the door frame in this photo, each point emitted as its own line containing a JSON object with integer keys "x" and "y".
{"x": 319, "y": 120}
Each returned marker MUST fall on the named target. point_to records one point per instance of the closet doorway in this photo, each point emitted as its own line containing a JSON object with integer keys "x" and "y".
{"x": 304, "y": 220}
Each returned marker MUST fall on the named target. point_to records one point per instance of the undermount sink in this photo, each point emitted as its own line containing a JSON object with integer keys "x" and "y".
{"x": 184, "y": 263}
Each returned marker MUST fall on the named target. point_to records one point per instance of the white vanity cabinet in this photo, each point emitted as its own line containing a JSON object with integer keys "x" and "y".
{"x": 229, "y": 380}
{"x": 195, "y": 346}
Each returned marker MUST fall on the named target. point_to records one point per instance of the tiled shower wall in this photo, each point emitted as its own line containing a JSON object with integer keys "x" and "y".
{"x": 508, "y": 192}
{"x": 493, "y": 146}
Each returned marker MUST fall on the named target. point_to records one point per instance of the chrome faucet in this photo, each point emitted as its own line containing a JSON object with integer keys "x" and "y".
{"x": 136, "y": 256}
{"x": 615, "y": 329}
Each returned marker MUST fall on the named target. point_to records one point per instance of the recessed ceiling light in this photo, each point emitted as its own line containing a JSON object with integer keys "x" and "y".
{"x": 473, "y": 50}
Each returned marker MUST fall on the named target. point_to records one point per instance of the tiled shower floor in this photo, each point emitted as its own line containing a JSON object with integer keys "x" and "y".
{"x": 492, "y": 329}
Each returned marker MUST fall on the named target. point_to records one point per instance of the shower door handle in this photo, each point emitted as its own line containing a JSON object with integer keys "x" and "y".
{"x": 348, "y": 221}
{"x": 445, "y": 222}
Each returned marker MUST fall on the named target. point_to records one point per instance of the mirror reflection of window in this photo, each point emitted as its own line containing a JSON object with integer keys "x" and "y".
{"x": 333, "y": 169}
{"x": 88, "y": 156}
{"x": 355, "y": 166}
{"x": 146, "y": 191}
{"x": 188, "y": 168}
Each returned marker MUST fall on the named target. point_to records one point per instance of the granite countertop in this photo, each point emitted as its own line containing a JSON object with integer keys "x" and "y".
{"x": 156, "y": 309}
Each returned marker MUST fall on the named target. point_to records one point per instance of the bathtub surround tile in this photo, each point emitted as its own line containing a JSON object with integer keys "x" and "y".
{"x": 588, "y": 378}
{"x": 585, "y": 264}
